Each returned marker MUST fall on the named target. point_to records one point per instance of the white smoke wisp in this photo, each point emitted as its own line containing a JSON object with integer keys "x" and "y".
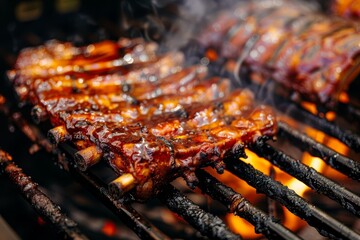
{"x": 192, "y": 14}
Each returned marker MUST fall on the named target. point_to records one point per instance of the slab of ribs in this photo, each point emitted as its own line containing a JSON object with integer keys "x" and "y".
{"x": 151, "y": 117}
{"x": 314, "y": 55}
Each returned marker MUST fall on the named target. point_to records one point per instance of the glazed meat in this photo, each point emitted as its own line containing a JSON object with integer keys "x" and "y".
{"x": 88, "y": 63}
{"x": 62, "y": 57}
{"x": 155, "y": 151}
{"x": 111, "y": 107}
{"x": 152, "y": 120}
{"x": 347, "y": 8}
{"x": 312, "y": 55}
{"x": 166, "y": 65}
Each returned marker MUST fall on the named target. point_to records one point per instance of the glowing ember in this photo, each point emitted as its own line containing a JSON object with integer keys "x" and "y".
{"x": 330, "y": 116}
{"x": 40, "y": 221}
{"x": 109, "y": 228}
{"x": 344, "y": 97}
{"x": 2, "y": 100}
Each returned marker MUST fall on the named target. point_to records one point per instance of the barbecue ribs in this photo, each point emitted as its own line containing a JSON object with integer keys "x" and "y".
{"x": 313, "y": 55}
{"x": 152, "y": 119}
{"x": 347, "y": 8}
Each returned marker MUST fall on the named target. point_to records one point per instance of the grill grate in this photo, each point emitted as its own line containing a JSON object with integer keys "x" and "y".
{"x": 40, "y": 202}
{"x": 131, "y": 217}
{"x": 240, "y": 206}
{"x": 326, "y": 225}
{"x": 343, "y": 164}
{"x": 309, "y": 176}
{"x": 351, "y": 139}
{"x": 210, "y": 225}
{"x": 348, "y": 111}
{"x": 206, "y": 223}
{"x": 295, "y": 111}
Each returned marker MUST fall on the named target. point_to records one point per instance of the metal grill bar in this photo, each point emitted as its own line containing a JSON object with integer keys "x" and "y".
{"x": 295, "y": 111}
{"x": 38, "y": 200}
{"x": 208, "y": 224}
{"x": 343, "y": 164}
{"x": 237, "y": 204}
{"x": 29, "y": 130}
{"x": 351, "y": 139}
{"x": 130, "y": 216}
{"x": 203, "y": 221}
{"x": 348, "y": 111}
{"x": 326, "y": 225}
{"x": 309, "y": 176}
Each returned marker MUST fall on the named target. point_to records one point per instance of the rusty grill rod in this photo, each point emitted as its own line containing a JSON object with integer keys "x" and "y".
{"x": 29, "y": 130}
{"x": 326, "y": 225}
{"x": 208, "y": 224}
{"x": 238, "y": 205}
{"x": 134, "y": 220}
{"x": 298, "y": 113}
{"x": 47, "y": 209}
{"x": 343, "y": 164}
{"x": 125, "y": 212}
{"x": 351, "y": 139}
{"x": 309, "y": 176}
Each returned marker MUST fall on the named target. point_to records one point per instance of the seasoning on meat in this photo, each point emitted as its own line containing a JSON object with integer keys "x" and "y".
{"x": 152, "y": 119}
{"x": 347, "y": 8}
{"x": 313, "y": 55}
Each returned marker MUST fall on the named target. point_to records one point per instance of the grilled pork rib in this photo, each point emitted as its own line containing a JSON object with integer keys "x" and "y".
{"x": 152, "y": 122}
{"x": 347, "y": 8}
{"x": 180, "y": 141}
{"x": 313, "y": 55}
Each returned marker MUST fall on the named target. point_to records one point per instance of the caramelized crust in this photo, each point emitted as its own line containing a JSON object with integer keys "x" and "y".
{"x": 152, "y": 122}
{"x": 347, "y": 8}
{"x": 195, "y": 136}
{"x": 313, "y": 55}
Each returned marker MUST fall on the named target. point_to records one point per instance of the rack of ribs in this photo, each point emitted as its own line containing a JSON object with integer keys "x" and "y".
{"x": 313, "y": 55}
{"x": 346, "y": 8}
{"x": 153, "y": 119}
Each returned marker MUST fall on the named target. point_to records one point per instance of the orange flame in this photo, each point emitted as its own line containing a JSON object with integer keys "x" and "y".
{"x": 241, "y": 226}
{"x": 291, "y": 221}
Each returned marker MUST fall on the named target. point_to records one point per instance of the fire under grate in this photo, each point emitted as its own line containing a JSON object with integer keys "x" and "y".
{"x": 206, "y": 223}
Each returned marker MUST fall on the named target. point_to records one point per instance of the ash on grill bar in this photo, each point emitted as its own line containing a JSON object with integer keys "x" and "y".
{"x": 249, "y": 130}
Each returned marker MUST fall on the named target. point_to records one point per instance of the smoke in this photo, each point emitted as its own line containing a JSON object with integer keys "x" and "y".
{"x": 192, "y": 14}
{"x": 186, "y": 18}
